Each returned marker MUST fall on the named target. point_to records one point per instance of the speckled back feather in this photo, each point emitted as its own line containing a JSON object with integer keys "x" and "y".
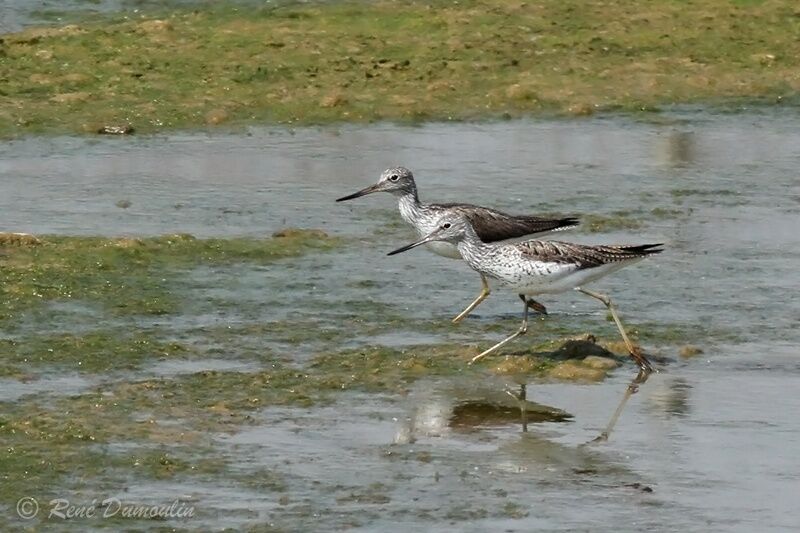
{"x": 585, "y": 256}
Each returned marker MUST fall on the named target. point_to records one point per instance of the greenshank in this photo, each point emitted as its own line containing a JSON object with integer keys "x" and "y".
{"x": 539, "y": 267}
{"x": 545, "y": 267}
{"x": 489, "y": 224}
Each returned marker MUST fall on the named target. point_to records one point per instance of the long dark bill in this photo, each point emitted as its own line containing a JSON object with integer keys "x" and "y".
{"x": 428, "y": 238}
{"x": 363, "y": 192}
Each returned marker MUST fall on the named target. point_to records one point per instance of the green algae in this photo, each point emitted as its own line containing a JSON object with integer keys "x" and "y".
{"x": 125, "y": 276}
{"x": 168, "y": 462}
{"x": 165, "y": 422}
{"x": 159, "y": 428}
{"x": 407, "y": 61}
{"x": 100, "y": 351}
{"x": 619, "y": 220}
{"x": 379, "y": 368}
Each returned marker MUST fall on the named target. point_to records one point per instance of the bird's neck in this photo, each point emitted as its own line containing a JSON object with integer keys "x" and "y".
{"x": 410, "y": 206}
{"x": 472, "y": 248}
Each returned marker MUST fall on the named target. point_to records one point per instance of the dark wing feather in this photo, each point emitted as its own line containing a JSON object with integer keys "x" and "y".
{"x": 585, "y": 256}
{"x": 492, "y": 225}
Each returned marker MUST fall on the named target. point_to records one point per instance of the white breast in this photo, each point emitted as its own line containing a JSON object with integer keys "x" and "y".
{"x": 445, "y": 249}
{"x": 424, "y": 222}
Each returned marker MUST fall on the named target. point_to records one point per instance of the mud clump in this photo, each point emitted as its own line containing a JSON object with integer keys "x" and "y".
{"x": 19, "y": 239}
{"x": 580, "y": 347}
{"x": 600, "y": 363}
{"x": 217, "y": 116}
{"x": 689, "y": 351}
{"x": 154, "y": 26}
{"x": 580, "y": 110}
{"x": 576, "y": 371}
{"x": 333, "y": 100}
{"x": 518, "y": 365}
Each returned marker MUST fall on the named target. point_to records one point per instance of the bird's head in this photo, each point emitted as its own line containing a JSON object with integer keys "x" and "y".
{"x": 398, "y": 181}
{"x": 451, "y": 228}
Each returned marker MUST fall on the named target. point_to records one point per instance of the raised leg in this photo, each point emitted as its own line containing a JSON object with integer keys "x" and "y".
{"x": 536, "y": 306}
{"x": 485, "y": 291}
{"x": 521, "y": 331}
{"x": 637, "y": 355}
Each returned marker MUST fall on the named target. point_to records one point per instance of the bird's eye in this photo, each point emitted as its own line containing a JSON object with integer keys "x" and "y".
{"x": 446, "y": 225}
{"x": 394, "y": 177}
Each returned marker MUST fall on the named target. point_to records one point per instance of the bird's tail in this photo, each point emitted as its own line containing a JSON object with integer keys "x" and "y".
{"x": 644, "y": 249}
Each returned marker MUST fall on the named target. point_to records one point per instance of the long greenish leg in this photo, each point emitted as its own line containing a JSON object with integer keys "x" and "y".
{"x": 637, "y": 355}
{"x": 485, "y": 291}
{"x": 521, "y": 331}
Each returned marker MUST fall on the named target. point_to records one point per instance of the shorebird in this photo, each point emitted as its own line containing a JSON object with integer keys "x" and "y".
{"x": 544, "y": 267}
{"x": 539, "y": 267}
{"x": 490, "y": 225}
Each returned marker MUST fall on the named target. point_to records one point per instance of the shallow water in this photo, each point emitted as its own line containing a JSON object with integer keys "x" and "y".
{"x": 16, "y": 15}
{"x": 714, "y": 437}
{"x": 19, "y": 14}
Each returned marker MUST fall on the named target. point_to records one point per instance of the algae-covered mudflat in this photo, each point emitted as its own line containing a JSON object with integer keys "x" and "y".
{"x": 164, "y": 69}
{"x": 122, "y": 326}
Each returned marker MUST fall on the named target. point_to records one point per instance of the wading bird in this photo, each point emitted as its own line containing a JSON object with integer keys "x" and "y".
{"x": 544, "y": 267}
{"x": 490, "y": 225}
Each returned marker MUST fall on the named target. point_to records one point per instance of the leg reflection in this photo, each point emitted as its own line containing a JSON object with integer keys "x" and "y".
{"x": 633, "y": 387}
{"x": 522, "y": 401}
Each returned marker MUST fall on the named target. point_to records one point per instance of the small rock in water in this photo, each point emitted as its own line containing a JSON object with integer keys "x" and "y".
{"x": 689, "y": 351}
{"x": 123, "y": 204}
{"x": 18, "y": 239}
{"x": 581, "y": 347}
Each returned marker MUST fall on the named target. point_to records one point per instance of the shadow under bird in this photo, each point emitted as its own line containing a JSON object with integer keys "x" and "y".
{"x": 544, "y": 267}
{"x": 490, "y": 225}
